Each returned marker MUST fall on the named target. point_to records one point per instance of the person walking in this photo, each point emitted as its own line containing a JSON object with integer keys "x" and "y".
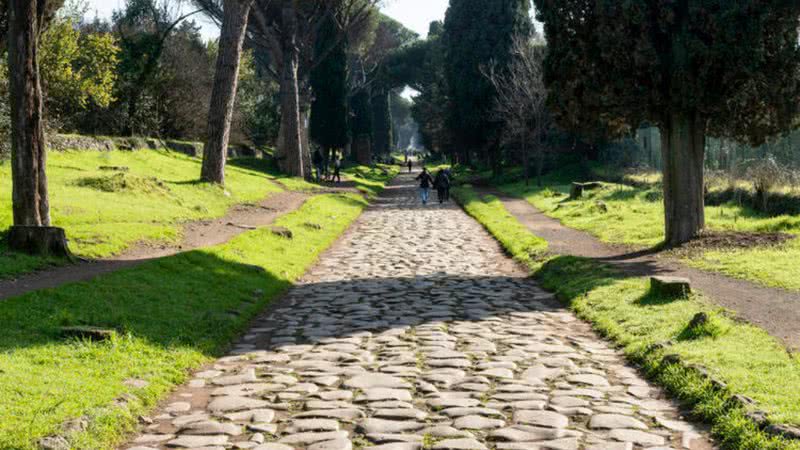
{"x": 425, "y": 182}
{"x": 449, "y": 175}
{"x": 337, "y": 169}
{"x": 410, "y": 163}
{"x": 316, "y": 159}
{"x": 442, "y": 185}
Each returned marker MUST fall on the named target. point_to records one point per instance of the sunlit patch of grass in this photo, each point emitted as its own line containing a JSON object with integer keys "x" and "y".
{"x": 371, "y": 180}
{"x": 106, "y": 211}
{"x": 771, "y": 266}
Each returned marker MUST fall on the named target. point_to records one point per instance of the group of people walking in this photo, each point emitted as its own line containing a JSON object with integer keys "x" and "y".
{"x": 440, "y": 182}
{"x": 323, "y": 168}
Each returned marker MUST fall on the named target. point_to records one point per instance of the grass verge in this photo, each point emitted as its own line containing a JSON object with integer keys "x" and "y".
{"x": 520, "y": 243}
{"x": 108, "y": 201}
{"x": 371, "y": 180}
{"x": 170, "y": 315}
{"x": 745, "y": 358}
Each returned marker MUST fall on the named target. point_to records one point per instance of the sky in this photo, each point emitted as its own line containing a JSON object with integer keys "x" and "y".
{"x": 415, "y": 14}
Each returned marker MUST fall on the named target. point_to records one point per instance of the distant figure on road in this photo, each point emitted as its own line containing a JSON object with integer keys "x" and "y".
{"x": 337, "y": 169}
{"x": 425, "y": 182}
{"x": 318, "y": 162}
{"x": 410, "y": 164}
{"x": 449, "y": 183}
{"x": 442, "y": 185}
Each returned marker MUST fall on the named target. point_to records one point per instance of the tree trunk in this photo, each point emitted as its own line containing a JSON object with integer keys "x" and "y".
{"x": 223, "y": 94}
{"x": 494, "y": 160}
{"x": 539, "y": 158}
{"x": 30, "y": 203}
{"x": 363, "y": 149}
{"x": 38, "y": 240}
{"x": 466, "y": 157}
{"x": 292, "y": 150}
{"x": 305, "y": 134}
{"x": 682, "y": 148}
{"x": 133, "y": 110}
{"x": 31, "y": 207}
{"x": 525, "y": 160}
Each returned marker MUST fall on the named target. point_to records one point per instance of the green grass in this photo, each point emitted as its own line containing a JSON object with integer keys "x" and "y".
{"x": 635, "y": 217}
{"x": 745, "y": 357}
{"x": 171, "y": 315}
{"x": 272, "y": 173}
{"x": 489, "y": 211}
{"x": 104, "y": 212}
{"x": 371, "y": 180}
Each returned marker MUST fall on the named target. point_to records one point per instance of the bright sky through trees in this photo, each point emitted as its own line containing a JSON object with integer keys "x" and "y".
{"x": 415, "y": 14}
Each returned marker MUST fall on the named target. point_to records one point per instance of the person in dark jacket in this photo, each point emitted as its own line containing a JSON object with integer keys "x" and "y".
{"x": 425, "y": 182}
{"x": 318, "y": 162}
{"x": 410, "y": 164}
{"x": 442, "y": 185}
{"x": 337, "y": 169}
{"x": 449, "y": 174}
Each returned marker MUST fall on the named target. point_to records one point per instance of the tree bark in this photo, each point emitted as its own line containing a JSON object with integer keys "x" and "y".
{"x": 525, "y": 160}
{"x": 291, "y": 140}
{"x": 682, "y": 147}
{"x": 539, "y": 158}
{"x": 305, "y": 133}
{"x": 363, "y": 149}
{"x": 29, "y": 190}
{"x": 31, "y": 207}
{"x": 223, "y": 94}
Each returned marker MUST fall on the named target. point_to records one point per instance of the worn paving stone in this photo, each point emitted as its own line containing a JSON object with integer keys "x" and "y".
{"x": 478, "y": 423}
{"x": 637, "y": 437}
{"x": 541, "y": 418}
{"x": 459, "y": 444}
{"x": 188, "y": 441}
{"x": 612, "y": 421}
{"x": 416, "y": 328}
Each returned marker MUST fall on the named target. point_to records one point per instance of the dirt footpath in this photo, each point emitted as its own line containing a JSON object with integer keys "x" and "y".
{"x": 200, "y": 234}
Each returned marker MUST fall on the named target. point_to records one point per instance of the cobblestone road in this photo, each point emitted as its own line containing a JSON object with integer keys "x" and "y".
{"x": 415, "y": 331}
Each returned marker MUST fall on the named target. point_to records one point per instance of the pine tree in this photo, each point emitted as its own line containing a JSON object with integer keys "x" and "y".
{"x": 223, "y": 96}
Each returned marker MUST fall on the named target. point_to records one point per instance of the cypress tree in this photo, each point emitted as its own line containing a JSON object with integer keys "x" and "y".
{"x": 381, "y": 123}
{"x": 361, "y": 126}
{"x": 476, "y": 34}
{"x": 329, "y": 83}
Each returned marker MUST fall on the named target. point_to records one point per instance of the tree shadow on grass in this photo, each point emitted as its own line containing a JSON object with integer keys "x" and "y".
{"x": 652, "y": 298}
{"x": 572, "y": 277}
{"x": 197, "y": 299}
